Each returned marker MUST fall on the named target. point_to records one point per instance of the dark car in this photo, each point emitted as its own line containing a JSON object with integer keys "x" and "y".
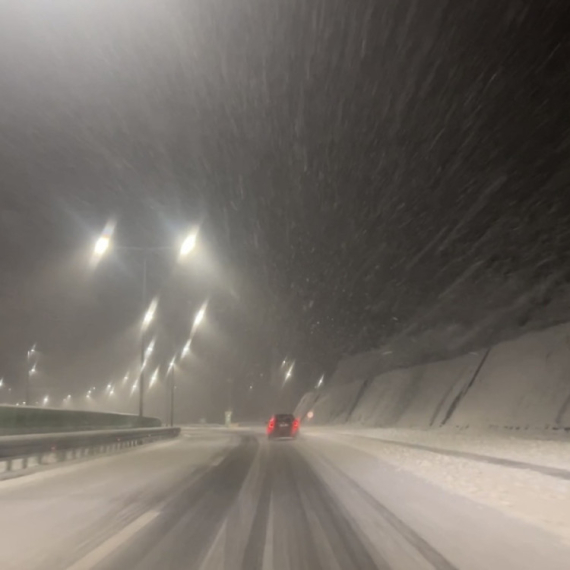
{"x": 282, "y": 425}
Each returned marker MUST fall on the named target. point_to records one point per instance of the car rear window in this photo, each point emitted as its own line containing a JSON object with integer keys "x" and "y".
{"x": 284, "y": 417}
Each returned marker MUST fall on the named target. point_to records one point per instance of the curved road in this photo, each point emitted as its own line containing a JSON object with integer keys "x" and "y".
{"x": 231, "y": 500}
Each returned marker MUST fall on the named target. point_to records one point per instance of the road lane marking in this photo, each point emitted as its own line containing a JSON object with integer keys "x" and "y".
{"x": 103, "y": 550}
{"x": 268, "y": 551}
{"x": 216, "y": 556}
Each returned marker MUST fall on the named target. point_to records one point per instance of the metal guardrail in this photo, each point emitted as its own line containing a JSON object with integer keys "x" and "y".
{"x": 22, "y": 451}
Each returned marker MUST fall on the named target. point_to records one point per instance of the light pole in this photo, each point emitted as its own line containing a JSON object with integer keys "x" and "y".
{"x": 172, "y": 370}
{"x": 198, "y": 319}
{"x": 103, "y": 245}
{"x": 288, "y": 374}
{"x": 30, "y": 369}
{"x": 230, "y": 395}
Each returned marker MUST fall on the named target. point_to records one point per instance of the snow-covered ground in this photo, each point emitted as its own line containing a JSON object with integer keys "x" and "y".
{"x": 330, "y": 500}
{"x": 50, "y": 518}
{"x": 537, "y": 448}
{"x": 517, "y": 385}
{"x": 539, "y": 499}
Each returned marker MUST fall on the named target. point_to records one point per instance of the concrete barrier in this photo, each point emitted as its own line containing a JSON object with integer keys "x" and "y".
{"x": 28, "y": 419}
{"x": 519, "y": 384}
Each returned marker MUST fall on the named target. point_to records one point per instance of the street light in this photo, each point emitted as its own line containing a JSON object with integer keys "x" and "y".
{"x": 288, "y": 374}
{"x": 172, "y": 371}
{"x": 188, "y": 244}
{"x": 31, "y": 369}
{"x": 46, "y": 400}
{"x": 103, "y": 244}
{"x": 200, "y": 315}
{"x": 321, "y": 381}
{"x": 153, "y": 378}
{"x": 186, "y": 349}
{"x": 149, "y": 315}
{"x": 150, "y": 347}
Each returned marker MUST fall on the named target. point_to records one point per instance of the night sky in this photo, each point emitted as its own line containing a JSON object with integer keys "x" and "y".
{"x": 363, "y": 174}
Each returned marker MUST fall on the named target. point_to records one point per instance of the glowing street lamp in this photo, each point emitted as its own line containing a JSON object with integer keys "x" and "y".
{"x": 150, "y": 348}
{"x": 102, "y": 245}
{"x": 288, "y": 374}
{"x": 149, "y": 315}
{"x": 153, "y": 378}
{"x": 103, "y": 242}
{"x": 200, "y": 316}
{"x": 188, "y": 244}
{"x": 31, "y": 366}
{"x": 45, "y": 400}
{"x": 321, "y": 381}
{"x": 186, "y": 349}
{"x": 172, "y": 372}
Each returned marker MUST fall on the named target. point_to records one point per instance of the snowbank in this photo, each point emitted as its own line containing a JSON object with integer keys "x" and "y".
{"x": 418, "y": 397}
{"x": 522, "y": 384}
{"x": 332, "y": 405}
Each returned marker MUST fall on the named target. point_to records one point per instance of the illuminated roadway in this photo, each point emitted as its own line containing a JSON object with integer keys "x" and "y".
{"x": 217, "y": 499}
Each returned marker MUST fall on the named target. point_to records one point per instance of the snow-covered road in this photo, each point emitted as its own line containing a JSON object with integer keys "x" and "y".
{"x": 231, "y": 500}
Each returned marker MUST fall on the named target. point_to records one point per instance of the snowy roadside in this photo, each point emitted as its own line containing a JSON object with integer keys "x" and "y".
{"x": 536, "y": 448}
{"x": 538, "y": 499}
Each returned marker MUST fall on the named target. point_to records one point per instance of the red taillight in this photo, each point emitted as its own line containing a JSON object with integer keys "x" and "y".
{"x": 295, "y": 425}
{"x": 271, "y": 425}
